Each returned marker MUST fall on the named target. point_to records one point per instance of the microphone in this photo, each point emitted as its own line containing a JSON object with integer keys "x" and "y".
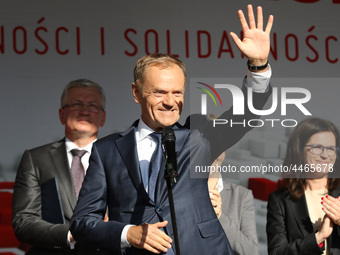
{"x": 169, "y": 144}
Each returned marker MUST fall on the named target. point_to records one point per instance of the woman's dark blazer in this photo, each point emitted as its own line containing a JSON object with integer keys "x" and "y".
{"x": 289, "y": 229}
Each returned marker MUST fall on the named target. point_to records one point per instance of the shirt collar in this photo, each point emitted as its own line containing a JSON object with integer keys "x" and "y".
{"x": 142, "y": 130}
{"x": 71, "y": 145}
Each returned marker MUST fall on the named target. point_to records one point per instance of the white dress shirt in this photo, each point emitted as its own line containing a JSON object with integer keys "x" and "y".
{"x": 84, "y": 159}
{"x": 145, "y": 148}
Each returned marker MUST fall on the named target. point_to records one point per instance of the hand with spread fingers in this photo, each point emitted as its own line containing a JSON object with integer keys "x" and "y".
{"x": 255, "y": 44}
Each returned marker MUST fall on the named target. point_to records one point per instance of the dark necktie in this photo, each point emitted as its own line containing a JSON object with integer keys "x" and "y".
{"x": 77, "y": 169}
{"x": 155, "y": 165}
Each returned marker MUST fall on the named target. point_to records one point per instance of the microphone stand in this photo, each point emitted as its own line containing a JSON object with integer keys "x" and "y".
{"x": 170, "y": 175}
{"x": 169, "y": 182}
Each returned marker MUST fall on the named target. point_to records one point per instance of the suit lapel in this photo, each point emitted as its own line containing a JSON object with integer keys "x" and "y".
{"x": 128, "y": 151}
{"x": 59, "y": 156}
{"x": 224, "y": 194}
{"x": 300, "y": 212}
{"x": 127, "y": 148}
{"x": 335, "y": 193}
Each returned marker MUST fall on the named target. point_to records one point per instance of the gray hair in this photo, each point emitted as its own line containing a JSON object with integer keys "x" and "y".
{"x": 82, "y": 83}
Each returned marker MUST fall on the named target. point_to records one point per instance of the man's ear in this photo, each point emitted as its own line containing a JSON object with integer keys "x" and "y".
{"x": 136, "y": 93}
{"x": 102, "y": 122}
{"x": 61, "y": 116}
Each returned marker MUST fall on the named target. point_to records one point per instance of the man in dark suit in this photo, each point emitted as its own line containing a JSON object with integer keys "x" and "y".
{"x": 82, "y": 113}
{"x": 139, "y": 213}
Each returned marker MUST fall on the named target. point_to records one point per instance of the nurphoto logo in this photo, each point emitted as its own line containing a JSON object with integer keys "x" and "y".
{"x": 239, "y": 103}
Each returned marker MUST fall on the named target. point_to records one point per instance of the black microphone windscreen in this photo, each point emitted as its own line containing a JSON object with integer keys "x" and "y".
{"x": 168, "y": 135}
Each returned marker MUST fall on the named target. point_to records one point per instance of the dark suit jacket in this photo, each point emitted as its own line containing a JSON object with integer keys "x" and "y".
{"x": 38, "y": 166}
{"x": 289, "y": 229}
{"x": 114, "y": 179}
{"x": 238, "y": 218}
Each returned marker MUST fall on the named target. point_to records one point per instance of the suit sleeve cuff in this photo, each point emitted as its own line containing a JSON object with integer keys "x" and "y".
{"x": 258, "y": 81}
{"x": 124, "y": 242}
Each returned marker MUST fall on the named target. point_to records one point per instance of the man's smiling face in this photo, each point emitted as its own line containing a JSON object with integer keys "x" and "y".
{"x": 162, "y": 96}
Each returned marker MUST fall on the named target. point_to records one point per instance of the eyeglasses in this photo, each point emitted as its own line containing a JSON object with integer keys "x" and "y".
{"x": 318, "y": 149}
{"x": 78, "y": 105}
